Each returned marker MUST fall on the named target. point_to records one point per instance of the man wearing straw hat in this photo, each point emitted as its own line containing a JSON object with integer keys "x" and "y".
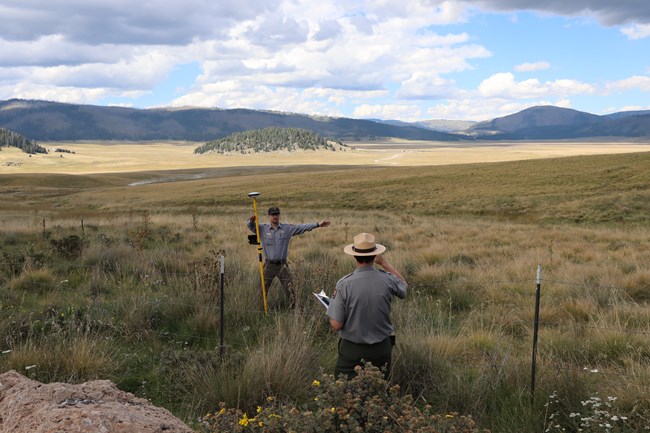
{"x": 360, "y": 310}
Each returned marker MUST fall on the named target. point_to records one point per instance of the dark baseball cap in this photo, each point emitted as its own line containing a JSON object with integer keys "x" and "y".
{"x": 274, "y": 210}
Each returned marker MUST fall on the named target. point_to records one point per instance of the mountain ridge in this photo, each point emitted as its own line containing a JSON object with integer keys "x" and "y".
{"x": 551, "y": 122}
{"x": 57, "y": 121}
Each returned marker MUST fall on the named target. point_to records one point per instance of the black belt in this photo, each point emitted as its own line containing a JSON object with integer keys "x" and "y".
{"x": 277, "y": 262}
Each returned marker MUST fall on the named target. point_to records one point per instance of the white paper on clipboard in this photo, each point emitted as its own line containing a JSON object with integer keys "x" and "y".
{"x": 323, "y": 298}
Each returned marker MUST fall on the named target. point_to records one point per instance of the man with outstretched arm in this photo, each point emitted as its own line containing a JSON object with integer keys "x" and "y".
{"x": 275, "y": 237}
{"x": 360, "y": 310}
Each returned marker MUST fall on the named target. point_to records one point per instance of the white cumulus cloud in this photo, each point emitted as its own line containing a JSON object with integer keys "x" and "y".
{"x": 637, "y": 82}
{"x": 406, "y": 113}
{"x": 636, "y": 31}
{"x": 531, "y": 67}
{"x": 504, "y": 85}
{"x": 425, "y": 86}
{"x": 480, "y": 109}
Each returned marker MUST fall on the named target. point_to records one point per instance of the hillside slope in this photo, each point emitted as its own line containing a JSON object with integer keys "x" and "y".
{"x": 548, "y": 122}
{"x": 53, "y": 121}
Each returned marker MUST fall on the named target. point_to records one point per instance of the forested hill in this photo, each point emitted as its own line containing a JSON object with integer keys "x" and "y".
{"x": 11, "y": 139}
{"x": 267, "y": 140}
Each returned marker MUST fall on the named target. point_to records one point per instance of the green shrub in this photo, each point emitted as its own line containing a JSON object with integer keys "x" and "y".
{"x": 69, "y": 247}
{"x": 364, "y": 404}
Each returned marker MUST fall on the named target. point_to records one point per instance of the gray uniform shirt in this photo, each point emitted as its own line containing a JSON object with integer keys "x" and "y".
{"x": 362, "y": 303}
{"x": 275, "y": 242}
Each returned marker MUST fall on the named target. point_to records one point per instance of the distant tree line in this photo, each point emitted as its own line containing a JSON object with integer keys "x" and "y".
{"x": 11, "y": 139}
{"x": 267, "y": 140}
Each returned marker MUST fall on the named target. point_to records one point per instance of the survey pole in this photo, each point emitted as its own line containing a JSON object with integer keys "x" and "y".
{"x": 254, "y": 196}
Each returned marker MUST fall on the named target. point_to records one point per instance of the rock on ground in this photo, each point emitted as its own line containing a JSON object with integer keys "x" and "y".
{"x": 93, "y": 407}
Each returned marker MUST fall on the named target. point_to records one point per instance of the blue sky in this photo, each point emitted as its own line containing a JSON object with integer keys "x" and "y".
{"x": 405, "y": 60}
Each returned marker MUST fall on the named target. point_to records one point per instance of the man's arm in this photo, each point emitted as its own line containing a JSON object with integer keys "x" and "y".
{"x": 381, "y": 261}
{"x": 401, "y": 284}
{"x": 298, "y": 229}
{"x": 336, "y": 325}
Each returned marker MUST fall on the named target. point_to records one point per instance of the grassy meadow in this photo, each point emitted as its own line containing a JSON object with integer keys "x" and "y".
{"x": 91, "y": 157}
{"x": 102, "y": 280}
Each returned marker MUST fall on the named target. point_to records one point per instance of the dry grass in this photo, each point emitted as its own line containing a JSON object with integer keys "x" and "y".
{"x": 598, "y": 189}
{"x": 64, "y": 359}
{"x": 112, "y": 157}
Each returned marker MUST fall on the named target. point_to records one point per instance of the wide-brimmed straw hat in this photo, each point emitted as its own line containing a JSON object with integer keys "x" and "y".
{"x": 364, "y": 245}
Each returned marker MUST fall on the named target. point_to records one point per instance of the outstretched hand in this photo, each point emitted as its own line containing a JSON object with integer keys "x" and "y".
{"x": 252, "y": 218}
{"x": 324, "y": 223}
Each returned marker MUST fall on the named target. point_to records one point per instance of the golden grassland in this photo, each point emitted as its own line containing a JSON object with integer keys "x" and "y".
{"x": 110, "y": 157}
{"x": 139, "y": 306}
{"x": 594, "y": 189}
{"x": 138, "y": 302}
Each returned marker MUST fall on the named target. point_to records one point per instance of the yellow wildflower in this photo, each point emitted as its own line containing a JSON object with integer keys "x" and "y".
{"x": 333, "y": 409}
{"x": 244, "y": 420}
{"x": 259, "y": 409}
{"x": 316, "y": 383}
{"x": 260, "y": 423}
{"x": 269, "y": 398}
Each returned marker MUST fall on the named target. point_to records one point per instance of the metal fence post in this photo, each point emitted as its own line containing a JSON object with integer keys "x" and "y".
{"x": 535, "y": 331}
{"x": 221, "y": 326}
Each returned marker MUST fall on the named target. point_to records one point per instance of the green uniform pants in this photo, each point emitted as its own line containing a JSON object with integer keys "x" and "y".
{"x": 353, "y": 354}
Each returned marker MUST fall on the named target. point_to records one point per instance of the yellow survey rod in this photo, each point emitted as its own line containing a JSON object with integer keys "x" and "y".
{"x": 253, "y": 195}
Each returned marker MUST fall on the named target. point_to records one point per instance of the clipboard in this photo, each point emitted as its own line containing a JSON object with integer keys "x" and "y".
{"x": 323, "y": 298}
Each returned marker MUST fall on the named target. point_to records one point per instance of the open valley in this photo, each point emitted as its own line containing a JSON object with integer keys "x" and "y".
{"x": 107, "y": 157}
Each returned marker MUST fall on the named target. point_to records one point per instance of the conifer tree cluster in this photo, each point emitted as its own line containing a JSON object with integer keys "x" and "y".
{"x": 267, "y": 140}
{"x": 11, "y": 139}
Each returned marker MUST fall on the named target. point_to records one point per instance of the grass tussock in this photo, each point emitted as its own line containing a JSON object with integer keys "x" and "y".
{"x": 35, "y": 281}
{"x": 63, "y": 358}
